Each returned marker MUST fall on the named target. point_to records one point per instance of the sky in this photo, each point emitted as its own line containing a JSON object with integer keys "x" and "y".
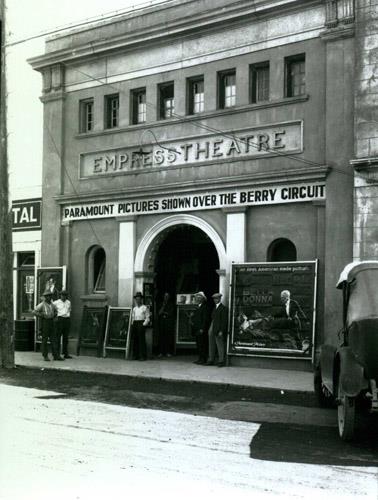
{"x": 25, "y": 18}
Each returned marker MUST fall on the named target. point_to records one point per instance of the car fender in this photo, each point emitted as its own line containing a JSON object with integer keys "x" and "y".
{"x": 326, "y": 365}
{"x": 351, "y": 374}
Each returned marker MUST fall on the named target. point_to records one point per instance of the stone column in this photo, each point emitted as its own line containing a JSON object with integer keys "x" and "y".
{"x": 235, "y": 243}
{"x": 235, "y": 239}
{"x": 126, "y": 256}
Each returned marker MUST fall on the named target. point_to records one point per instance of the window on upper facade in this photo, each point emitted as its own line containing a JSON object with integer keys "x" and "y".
{"x": 138, "y": 106}
{"x": 111, "y": 111}
{"x": 259, "y": 78}
{"x": 227, "y": 89}
{"x": 86, "y": 115}
{"x": 295, "y": 69}
{"x": 166, "y": 100}
{"x": 196, "y": 94}
{"x": 282, "y": 250}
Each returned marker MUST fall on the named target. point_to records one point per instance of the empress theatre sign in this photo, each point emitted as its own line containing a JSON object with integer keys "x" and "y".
{"x": 204, "y": 201}
{"x": 227, "y": 146}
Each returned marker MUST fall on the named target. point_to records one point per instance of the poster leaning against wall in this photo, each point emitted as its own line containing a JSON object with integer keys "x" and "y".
{"x": 273, "y": 309}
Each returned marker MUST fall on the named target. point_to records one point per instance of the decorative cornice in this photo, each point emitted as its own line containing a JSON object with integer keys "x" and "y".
{"x": 53, "y": 96}
{"x": 337, "y": 33}
{"x": 367, "y": 168}
{"x": 362, "y": 163}
{"x": 227, "y": 15}
{"x": 256, "y": 179}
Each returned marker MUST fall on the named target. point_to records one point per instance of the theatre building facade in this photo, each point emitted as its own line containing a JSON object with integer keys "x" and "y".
{"x": 203, "y": 145}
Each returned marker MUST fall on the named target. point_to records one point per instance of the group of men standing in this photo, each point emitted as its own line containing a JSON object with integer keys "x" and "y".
{"x": 210, "y": 329}
{"x": 55, "y": 324}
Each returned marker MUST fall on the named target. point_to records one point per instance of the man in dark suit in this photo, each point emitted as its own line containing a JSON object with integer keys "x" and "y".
{"x": 218, "y": 332}
{"x": 289, "y": 317}
{"x": 290, "y": 313}
{"x": 200, "y": 327}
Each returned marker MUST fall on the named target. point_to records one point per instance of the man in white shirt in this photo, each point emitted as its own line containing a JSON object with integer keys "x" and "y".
{"x": 46, "y": 311}
{"x": 63, "y": 307}
{"x": 140, "y": 320}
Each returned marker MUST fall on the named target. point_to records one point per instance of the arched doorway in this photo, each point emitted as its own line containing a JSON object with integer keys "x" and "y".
{"x": 162, "y": 262}
{"x": 186, "y": 262}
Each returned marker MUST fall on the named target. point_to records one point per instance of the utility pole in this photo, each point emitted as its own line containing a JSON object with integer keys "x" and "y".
{"x": 6, "y": 286}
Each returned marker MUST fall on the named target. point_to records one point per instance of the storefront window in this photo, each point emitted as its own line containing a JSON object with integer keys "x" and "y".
{"x": 25, "y": 285}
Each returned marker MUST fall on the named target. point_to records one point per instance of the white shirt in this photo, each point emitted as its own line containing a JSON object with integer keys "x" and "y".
{"x": 141, "y": 313}
{"x": 63, "y": 307}
{"x": 287, "y": 305}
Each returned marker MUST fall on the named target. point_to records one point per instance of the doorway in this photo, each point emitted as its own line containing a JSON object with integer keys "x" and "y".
{"x": 186, "y": 262}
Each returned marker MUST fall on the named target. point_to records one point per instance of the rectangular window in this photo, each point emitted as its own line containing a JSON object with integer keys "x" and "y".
{"x": 111, "y": 111}
{"x": 259, "y": 82}
{"x": 295, "y": 75}
{"x": 138, "y": 106}
{"x": 86, "y": 115}
{"x": 166, "y": 100}
{"x": 227, "y": 89}
{"x": 196, "y": 95}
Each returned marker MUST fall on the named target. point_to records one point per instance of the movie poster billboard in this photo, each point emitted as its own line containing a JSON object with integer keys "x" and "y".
{"x": 273, "y": 309}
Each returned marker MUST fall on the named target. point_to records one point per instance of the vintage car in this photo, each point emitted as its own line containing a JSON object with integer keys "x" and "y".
{"x": 346, "y": 374}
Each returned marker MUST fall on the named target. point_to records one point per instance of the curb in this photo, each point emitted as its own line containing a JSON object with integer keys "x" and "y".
{"x": 212, "y": 391}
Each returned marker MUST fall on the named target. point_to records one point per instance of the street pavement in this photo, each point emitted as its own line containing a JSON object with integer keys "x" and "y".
{"x": 56, "y": 447}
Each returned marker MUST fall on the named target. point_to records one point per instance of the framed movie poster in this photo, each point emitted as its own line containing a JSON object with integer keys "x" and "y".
{"x": 184, "y": 329}
{"x": 185, "y": 299}
{"x": 117, "y": 331}
{"x": 52, "y": 279}
{"x": 149, "y": 299}
{"x": 92, "y": 328}
{"x": 273, "y": 309}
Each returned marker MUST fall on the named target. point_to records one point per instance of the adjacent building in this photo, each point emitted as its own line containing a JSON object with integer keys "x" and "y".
{"x": 188, "y": 136}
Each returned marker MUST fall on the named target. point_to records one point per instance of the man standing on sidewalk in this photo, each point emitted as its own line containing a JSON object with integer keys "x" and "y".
{"x": 218, "y": 331}
{"x": 140, "y": 320}
{"x": 47, "y": 312}
{"x": 200, "y": 324}
{"x": 63, "y": 322}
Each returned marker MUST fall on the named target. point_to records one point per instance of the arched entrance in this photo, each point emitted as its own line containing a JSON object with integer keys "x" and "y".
{"x": 186, "y": 262}
{"x": 180, "y": 254}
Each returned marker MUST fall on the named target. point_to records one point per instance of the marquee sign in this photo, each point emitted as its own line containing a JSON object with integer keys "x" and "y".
{"x": 241, "y": 144}
{"x": 290, "y": 193}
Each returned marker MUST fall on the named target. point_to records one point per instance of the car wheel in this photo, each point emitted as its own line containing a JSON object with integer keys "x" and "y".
{"x": 346, "y": 414}
{"x": 323, "y": 395}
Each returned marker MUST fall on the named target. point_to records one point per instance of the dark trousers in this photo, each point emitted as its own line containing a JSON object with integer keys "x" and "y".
{"x": 202, "y": 346}
{"x": 166, "y": 336}
{"x": 139, "y": 340}
{"x": 62, "y": 332}
{"x": 48, "y": 333}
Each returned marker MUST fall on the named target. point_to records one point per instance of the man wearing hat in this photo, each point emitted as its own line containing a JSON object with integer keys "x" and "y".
{"x": 200, "y": 324}
{"x": 47, "y": 312}
{"x": 140, "y": 320}
{"x": 63, "y": 319}
{"x": 218, "y": 331}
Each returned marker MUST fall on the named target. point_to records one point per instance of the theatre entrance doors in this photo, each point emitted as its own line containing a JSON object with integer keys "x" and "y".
{"x": 186, "y": 262}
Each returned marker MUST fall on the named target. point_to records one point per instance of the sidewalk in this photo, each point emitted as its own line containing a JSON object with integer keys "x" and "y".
{"x": 179, "y": 369}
